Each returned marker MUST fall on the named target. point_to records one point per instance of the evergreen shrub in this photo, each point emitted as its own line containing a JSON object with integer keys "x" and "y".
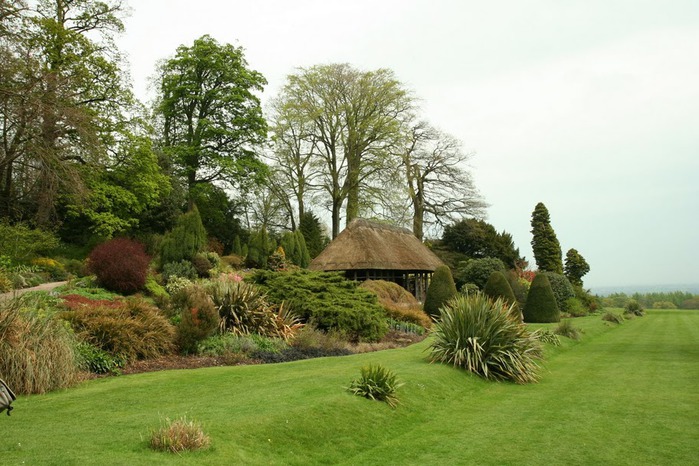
{"x": 185, "y": 240}
{"x": 121, "y": 265}
{"x": 575, "y": 308}
{"x": 561, "y": 287}
{"x": 484, "y": 337}
{"x": 181, "y": 269}
{"x": 199, "y": 317}
{"x": 441, "y": 290}
{"x": 566, "y": 329}
{"x": 497, "y": 286}
{"x": 634, "y": 307}
{"x": 327, "y": 300}
{"x": 612, "y": 317}
{"x": 477, "y": 271}
{"x": 541, "y": 304}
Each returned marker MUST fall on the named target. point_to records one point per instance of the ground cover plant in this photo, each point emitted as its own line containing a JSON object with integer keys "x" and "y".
{"x": 299, "y": 413}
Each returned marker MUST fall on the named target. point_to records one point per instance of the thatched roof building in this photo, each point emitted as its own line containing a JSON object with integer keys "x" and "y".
{"x": 373, "y": 251}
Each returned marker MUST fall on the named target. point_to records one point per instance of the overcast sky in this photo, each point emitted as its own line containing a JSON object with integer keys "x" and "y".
{"x": 591, "y": 107}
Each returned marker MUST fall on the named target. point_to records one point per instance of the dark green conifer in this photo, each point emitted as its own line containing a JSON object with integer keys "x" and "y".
{"x": 545, "y": 245}
{"x": 497, "y": 286}
{"x": 541, "y": 305}
{"x": 442, "y": 288}
{"x": 187, "y": 239}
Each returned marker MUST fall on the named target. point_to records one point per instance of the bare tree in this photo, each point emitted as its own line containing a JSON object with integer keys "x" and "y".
{"x": 439, "y": 187}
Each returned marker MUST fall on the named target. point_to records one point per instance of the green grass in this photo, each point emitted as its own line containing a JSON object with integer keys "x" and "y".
{"x": 622, "y": 394}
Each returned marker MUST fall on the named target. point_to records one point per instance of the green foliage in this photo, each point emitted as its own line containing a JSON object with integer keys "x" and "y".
{"x": 561, "y": 287}
{"x": 497, "y": 286}
{"x": 5, "y": 282}
{"x": 547, "y": 336}
{"x": 612, "y": 317}
{"x": 441, "y": 290}
{"x": 477, "y": 271}
{"x": 202, "y": 264}
{"x": 328, "y": 300}
{"x": 376, "y": 383}
{"x": 187, "y": 239}
{"x": 660, "y": 305}
{"x": 477, "y": 239}
{"x": 312, "y": 232}
{"x": 98, "y": 361}
{"x": 199, "y": 317}
{"x": 179, "y": 436}
{"x": 182, "y": 269}
{"x": 574, "y": 307}
{"x": 633, "y": 307}
{"x": 295, "y": 248}
{"x": 218, "y": 214}
{"x": 211, "y": 114}
{"x": 37, "y": 352}
{"x": 132, "y": 329}
{"x": 259, "y": 249}
{"x": 541, "y": 304}
{"x": 406, "y": 327}
{"x": 20, "y": 242}
{"x": 120, "y": 265}
{"x": 545, "y": 245}
{"x": 566, "y": 329}
{"x": 484, "y": 337}
{"x": 575, "y": 267}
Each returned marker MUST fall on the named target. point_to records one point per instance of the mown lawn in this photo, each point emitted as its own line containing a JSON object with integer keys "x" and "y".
{"x": 624, "y": 394}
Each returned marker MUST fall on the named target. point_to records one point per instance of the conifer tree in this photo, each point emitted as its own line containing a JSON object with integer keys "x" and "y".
{"x": 575, "y": 267}
{"x": 302, "y": 250}
{"x": 545, "y": 245}
{"x": 541, "y": 304}
{"x": 497, "y": 286}
{"x": 185, "y": 240}
{"x": 442, "y": 288}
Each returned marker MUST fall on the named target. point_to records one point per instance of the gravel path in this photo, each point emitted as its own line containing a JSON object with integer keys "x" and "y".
{"x": 42, "y": 287}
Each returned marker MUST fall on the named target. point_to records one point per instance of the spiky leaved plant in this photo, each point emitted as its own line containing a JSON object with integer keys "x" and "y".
{"x": 482, "y": 336}
{"x": 376, "y": 383}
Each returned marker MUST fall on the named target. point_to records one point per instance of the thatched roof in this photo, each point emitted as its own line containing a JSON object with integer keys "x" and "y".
{"x": 366, "y": 245}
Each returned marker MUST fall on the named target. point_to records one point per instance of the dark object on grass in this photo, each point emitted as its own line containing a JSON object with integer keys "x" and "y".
{"x": 6, "y": 397}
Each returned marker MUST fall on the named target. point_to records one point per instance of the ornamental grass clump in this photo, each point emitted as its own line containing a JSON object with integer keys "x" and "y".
{"x": 178, "y": 436}
{"x": 612, "y": 317}
{"x": 566, "y": 329}
{"x": 484, "y": 337}
{"x": 376, "y": 383}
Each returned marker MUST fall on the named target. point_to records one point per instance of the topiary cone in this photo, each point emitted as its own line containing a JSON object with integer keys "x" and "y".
{"x": 541, "y": 304}
{"x": 442, "y": 288}
{"x": 497, "y": 286}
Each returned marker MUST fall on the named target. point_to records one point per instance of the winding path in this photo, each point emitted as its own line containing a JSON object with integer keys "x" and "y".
{"x": 42, "y": 287}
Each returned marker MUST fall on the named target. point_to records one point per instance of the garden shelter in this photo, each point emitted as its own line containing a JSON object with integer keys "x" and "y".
{"x": 367, "y": 250}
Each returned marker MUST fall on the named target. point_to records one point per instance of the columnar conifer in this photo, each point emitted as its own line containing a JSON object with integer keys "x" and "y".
{"x": 545, "y": 245}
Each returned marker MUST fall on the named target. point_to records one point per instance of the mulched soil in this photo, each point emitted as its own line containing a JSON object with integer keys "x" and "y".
{"x": 391, "y": 340}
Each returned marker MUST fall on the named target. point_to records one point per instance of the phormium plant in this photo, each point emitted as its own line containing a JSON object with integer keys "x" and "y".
{"x": 483, "y": 336}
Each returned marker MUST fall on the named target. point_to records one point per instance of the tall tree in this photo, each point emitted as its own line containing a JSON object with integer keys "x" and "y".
{"x": 439, "y": 188}
{"x": 346, "y": 120}
{"x": 545, "y": 245}
{"x": 478, "y": 239}
{"x": 210, "y": 115}
{"x": 575, "y": 267}
{"x": 64, "y": 103}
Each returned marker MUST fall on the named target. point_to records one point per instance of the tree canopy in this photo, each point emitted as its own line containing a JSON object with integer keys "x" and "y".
{"x": 545, "y": 245}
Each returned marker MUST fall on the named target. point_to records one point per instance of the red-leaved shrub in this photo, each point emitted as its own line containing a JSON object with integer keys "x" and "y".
{"x": 120, "y": 265}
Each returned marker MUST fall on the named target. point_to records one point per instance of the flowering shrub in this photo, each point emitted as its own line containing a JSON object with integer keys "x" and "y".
{"x": 120, "y": 265}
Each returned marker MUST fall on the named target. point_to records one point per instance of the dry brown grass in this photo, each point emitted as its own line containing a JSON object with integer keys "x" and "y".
{"x": 178, "y": 436}
{"x": 398, "y": 302}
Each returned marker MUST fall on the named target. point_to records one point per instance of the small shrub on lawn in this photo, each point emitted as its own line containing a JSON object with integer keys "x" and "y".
{"x": 132, "y": 330}
{"x": 328, "y": 300}
{"x": 482, "y": 336}
{"x": 36, "y": 349}
{"x": 566, "y": 329}
{"x": 541, "y": 304}
{"x": 398, "y": 302}
{"x": 547, "y": 336}
{"x": 179, "y": 436}
{"x": 612, "y": 317}
{"x": 376, "y": 383}
{"x": 120, "y": 265}
{"x": 634, "y": 308}
{"x": 441, "y": 290}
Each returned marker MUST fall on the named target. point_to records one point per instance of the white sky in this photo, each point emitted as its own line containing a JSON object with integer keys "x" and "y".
{"x": 591, "y": 107}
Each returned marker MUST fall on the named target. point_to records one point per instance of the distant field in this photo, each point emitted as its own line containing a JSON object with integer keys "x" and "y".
{"x": 624, "y": 394}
